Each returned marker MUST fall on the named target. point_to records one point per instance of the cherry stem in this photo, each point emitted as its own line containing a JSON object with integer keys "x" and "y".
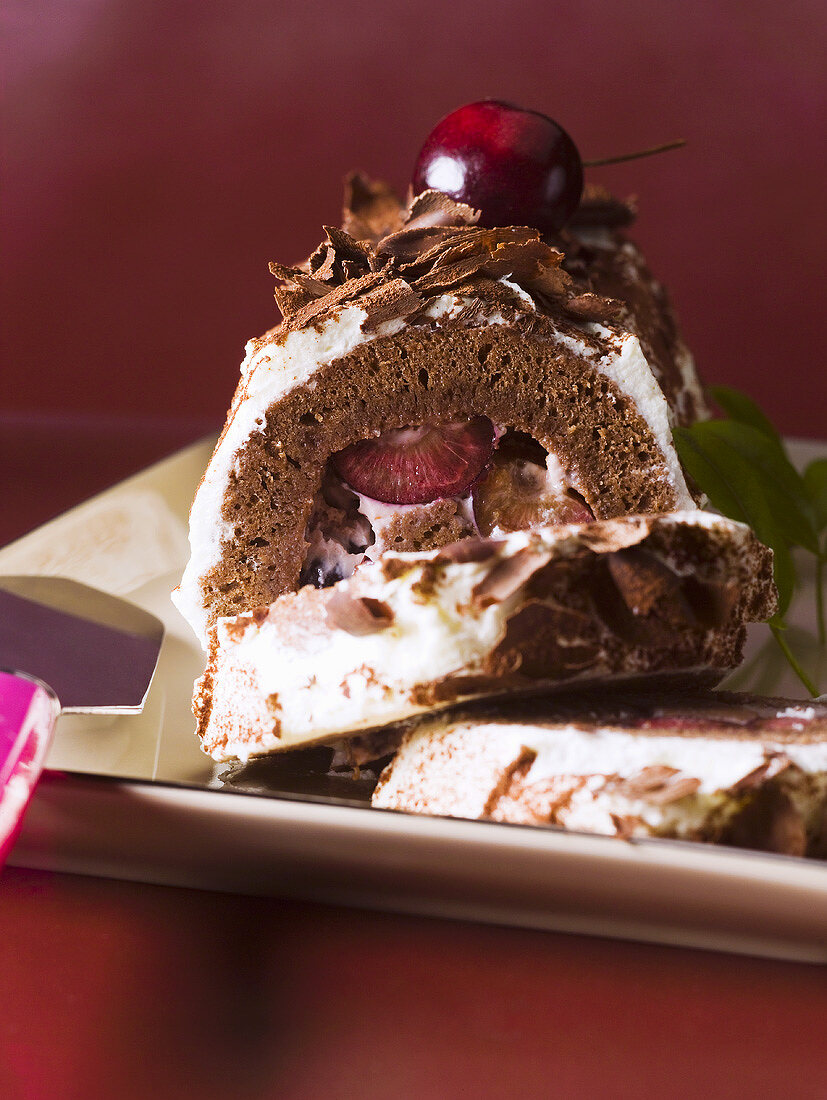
{"x": 635, "y": 156}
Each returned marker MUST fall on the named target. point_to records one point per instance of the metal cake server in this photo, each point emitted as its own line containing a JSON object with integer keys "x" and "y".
{"x": 64, "y": 647}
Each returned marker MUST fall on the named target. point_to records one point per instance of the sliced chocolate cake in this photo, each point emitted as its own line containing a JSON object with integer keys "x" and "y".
{"x": 623, "y": 598}
{"x": 711, "y": 766}
{"x": 434, "y": 380}
{"x": 446, "y": 499}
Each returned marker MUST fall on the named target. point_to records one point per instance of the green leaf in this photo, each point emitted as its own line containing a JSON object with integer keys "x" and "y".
{"x": 761, "y": 470}
{"x": 815, "y": 484}
{"x": 738, "y": 406}
{"x": 735, "y": 488}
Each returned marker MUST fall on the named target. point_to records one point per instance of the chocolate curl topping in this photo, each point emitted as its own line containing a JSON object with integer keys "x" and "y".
{"x": 433, "y": 208}
{"x": 591, "y": 307}
{"x": 357, "y": 615}
{"x": 647, "y": 585}
{"x": 388, "y": 301}
{"x": 372, "y": 209}
{"x": 507, "y": 576}
{"x": 658, "y": 783}
{"x": 599, "y": 209}
{"x": 468, "y": 550}
{"x": 772, "y": 766}
{"x": 434, "y": 245}
{"x": 348, "y": 250}
{"x": 295, "y": 289}
{"x": 345, "y": 292}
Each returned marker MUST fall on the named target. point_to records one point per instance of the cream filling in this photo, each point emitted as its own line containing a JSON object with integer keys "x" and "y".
{"x": 276, "y": 367}
{"x": 337, "y": 681}
{"x": 430, "y": 771}
{"x": 717, "y": 763}
{"x": 328, "y": 681}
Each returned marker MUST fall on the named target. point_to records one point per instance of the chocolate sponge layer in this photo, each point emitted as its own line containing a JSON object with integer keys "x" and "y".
{"x": 517, "y": 375}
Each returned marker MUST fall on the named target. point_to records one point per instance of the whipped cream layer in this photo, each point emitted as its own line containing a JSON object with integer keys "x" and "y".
{"x": 625, "y": 261}
{"x": 423, "y": 630}
{"x": 606, "y": 778}
{"x": 282, "y": 361}
{"x": 325, "y": 681}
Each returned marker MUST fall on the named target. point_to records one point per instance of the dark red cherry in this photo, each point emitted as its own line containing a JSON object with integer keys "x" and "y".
{"x": 518, "y": 167}
{"x": 418, "y": 464}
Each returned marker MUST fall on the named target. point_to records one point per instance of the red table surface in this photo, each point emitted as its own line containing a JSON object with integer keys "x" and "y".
{"x": 115, "y": 989}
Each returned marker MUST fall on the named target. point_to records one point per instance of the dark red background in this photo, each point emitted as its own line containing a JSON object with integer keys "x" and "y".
{"x": 158, "y": 154}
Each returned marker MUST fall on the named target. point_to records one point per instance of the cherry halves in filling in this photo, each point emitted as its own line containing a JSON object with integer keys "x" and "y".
{"x": 499, "y": 481}
{"x": 524, "y": 487}
{"x": 418, "y": 464}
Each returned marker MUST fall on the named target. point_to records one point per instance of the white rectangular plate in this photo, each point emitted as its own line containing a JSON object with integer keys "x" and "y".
{"x": 134, "y": 797}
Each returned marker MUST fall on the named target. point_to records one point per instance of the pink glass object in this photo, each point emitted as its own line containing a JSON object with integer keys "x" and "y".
{"x": 28, "y": 709}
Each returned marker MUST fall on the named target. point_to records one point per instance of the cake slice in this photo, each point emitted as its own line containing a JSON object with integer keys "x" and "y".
{"x": 484, "y": 617}
{"x": 434, "y": 380}
{"x": 711, "y": 766}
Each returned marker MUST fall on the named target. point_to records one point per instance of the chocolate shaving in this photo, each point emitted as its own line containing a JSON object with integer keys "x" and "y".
{"x": 295, "y": 289}
{"x": 434, "y": 245}
{"x": 348, "y": 249}
{"x": 659, "y": 784}
{"x": 773, "y": 766}
{"x": 372, "y": 209}
{"x": 625, "y": 825}
{"x": 543, "y": 642}
{"x": 415, "y": 247}
{"x": 351, "y": 269}
{"x": 432, "y": 208}
{"x": 752, "y": 779}
{"x": 357, "y": 615}
{"x": 448, "y": 278}
{"x": 646, "y": 584}
{"x": 353, "y": 288}
{"x": 389, "y": 301}
{"x": 640, "y": 599}
{"x": 591, "y": 307}
{"x": 322, "y": 263}
{"x": 468, "y": 550}
{"x": 600, "y": 209}
{"x": 507, "y": 576}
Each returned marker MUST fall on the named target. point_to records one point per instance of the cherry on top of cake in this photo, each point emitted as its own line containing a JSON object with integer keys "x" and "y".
{"x": 493, "y": 190}
{"x": 517, "y": 167}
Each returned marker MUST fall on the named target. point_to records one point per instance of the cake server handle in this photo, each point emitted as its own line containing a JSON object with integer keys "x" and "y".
{"x": 28, "y": 712}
